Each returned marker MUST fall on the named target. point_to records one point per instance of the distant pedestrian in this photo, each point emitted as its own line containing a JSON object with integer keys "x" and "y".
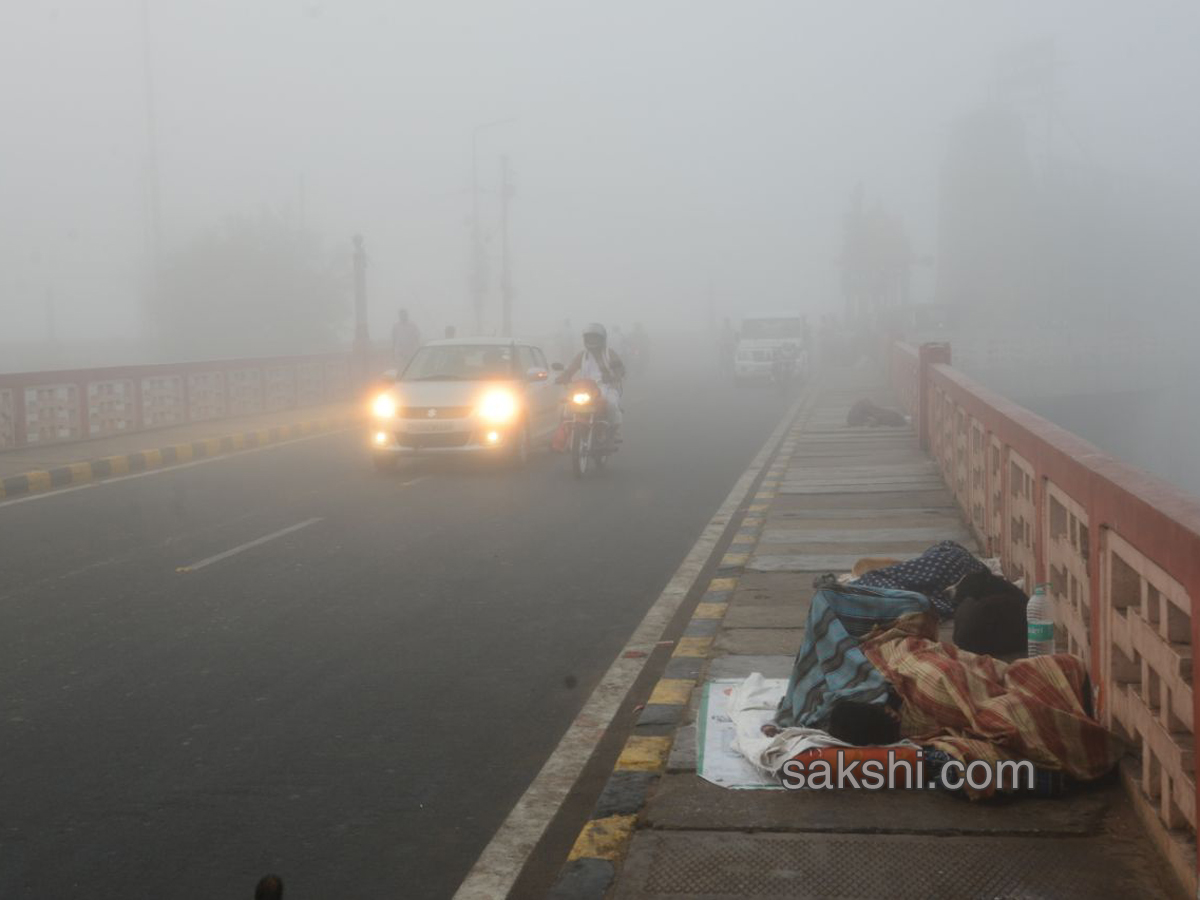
{"x": 406, "y": 338}
{"x": 451, "y": 332}
{"x": 269, "y": 887}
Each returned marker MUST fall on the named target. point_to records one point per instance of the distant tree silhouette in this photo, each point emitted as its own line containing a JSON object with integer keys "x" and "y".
{"x": 876, "y": 255}
{"x": 254, "y": 286}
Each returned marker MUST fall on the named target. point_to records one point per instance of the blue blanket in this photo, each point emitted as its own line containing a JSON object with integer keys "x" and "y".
{"x": 830, "y": 666}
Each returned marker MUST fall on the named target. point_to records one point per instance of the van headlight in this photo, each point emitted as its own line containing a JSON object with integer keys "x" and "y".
{"x": 498, "y": 407}
{"x": 384, "y": 406}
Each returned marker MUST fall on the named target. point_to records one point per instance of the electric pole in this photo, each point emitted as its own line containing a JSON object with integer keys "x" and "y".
{"x": 153, "y": 212}
{"x": 478, "y": 278}
{"x": 478, "y": 257}
{"x": 506, "y": 290}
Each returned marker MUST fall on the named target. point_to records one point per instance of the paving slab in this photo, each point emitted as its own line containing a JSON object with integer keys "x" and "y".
{"x": 773, "y": 582}
{"x": 822, "y": 533}
{"x": 834, "y": 518}
{"x": 682, "y": 757}
{"x": 899, "y": 867}
{"x": 941, "y": 499}
{"x": 891, "y": 487}
{"x": 872, "y": 457}
{"x": 797, "y": 593}
{"x": 760, "y": 641}
{"x": 816, "y": 563}
{"x": 782, "y": 615}
{"x": 744, "y": 665}
{"x": 897, "y": 549}
{"x": 689, "y": 802}
{"x": 861, "y": 473}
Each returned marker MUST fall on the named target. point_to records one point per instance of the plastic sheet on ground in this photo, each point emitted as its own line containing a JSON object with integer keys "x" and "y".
{"x": 717, "y": 759}
{"x": 732, "y": 750}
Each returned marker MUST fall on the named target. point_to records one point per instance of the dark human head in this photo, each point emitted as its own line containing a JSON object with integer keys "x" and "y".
{"x": 402, "y": 315}
{"x": 269, "y": 887}
{"x": 863, "y": 724}
{"x": 595, "y": 336}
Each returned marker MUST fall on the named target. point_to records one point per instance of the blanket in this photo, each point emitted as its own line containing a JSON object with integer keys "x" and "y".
{"x": 830, "y": 665}
{"x": 976, "y": 707}
{"x": 749, "y": 708}
{"x": 938, "y": 568}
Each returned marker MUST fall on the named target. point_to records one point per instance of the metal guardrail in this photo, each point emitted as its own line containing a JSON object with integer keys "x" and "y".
{"x": 38, "y": 408}
{"x": 1119, "y": 548}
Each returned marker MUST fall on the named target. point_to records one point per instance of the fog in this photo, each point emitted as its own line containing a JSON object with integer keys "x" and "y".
{"x": 250, "y": 605}
{"x": 669, "y": 158}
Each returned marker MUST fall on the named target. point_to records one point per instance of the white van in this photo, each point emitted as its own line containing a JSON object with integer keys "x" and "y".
{"x": 760, "y": 339}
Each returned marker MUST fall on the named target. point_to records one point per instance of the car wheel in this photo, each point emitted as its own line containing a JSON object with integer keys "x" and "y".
{"x": 384, "y": 462}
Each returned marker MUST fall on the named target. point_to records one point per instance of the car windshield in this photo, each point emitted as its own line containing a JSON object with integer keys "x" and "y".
{"x": 461, "y": 362}
{"x": 772, "y": 328}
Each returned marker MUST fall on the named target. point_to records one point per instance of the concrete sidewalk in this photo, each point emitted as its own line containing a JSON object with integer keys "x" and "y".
{"x": 835, "y": 495}
{"x": 41, "y": 468}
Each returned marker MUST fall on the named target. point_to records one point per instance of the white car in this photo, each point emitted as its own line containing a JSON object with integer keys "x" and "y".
{"x": 485, "y": 396}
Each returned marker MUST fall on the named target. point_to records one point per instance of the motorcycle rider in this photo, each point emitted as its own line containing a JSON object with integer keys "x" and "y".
{"x": 600, "y": 363}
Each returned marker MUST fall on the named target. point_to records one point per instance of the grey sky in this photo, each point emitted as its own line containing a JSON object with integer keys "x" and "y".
{"x": 660, "y": 146}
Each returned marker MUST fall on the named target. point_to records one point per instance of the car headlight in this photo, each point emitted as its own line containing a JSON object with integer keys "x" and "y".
{"x": 582, "y": 398}
{"x": 384, "y": 406}
{"x": 498, "y": 407}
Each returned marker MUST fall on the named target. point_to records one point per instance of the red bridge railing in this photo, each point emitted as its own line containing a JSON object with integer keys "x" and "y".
{"x": 50, "y": 407}
{"x": 1119, "y": 548}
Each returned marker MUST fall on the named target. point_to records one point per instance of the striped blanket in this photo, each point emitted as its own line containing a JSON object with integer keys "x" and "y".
{"x": 830, "y": 665}
{"x": 976, "y": 707}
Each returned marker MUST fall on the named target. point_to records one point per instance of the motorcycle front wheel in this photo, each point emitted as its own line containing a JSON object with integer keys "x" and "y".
{"x": 581, "y": 450}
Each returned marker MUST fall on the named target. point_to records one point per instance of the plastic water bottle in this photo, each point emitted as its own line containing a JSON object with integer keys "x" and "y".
{"x": 1039, "y": 623}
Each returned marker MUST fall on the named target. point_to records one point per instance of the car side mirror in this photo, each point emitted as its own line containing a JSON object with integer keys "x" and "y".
{"x": 557, "y": 367}
{"x": 536, "y": 374}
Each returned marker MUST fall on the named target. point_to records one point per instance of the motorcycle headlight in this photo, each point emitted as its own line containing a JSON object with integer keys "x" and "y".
{"x": 498, "y": 407}
{"x": 581, "y": 398}
{"x": 384, "y": 406}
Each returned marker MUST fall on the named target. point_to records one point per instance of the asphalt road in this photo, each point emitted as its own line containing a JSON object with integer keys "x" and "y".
{"x": 355, "y": 705}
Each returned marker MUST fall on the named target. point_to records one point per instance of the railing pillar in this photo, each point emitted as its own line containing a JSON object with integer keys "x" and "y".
{"x": 927, "y": 355}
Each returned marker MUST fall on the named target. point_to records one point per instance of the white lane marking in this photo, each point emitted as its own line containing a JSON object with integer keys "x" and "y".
{"x": 246, "y": 546}
{"x": 502, "y": 860}
{"x": 169, "y": 467}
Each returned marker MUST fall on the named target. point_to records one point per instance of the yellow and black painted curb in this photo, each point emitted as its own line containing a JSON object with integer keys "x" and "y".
{"x": 600, "y": 848}
{"x": 144, "y": 460}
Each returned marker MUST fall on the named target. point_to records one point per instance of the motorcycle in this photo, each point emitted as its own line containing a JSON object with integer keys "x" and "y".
{"x": 588, "y": 435}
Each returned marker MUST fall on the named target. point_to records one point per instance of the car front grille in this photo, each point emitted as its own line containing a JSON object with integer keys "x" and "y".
{"x": 434, "y": 439}
{"x": 439, "y": 412}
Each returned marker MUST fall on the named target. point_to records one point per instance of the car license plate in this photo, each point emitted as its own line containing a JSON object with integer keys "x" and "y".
{"x": 427, "y": 427}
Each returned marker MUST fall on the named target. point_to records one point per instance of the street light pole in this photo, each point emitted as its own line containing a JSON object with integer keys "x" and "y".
{"x": 506, "y": 291}
{"x": 152, "y": 206}
{"x": 362, "y": 338}
{"x": 478, "y": 260}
